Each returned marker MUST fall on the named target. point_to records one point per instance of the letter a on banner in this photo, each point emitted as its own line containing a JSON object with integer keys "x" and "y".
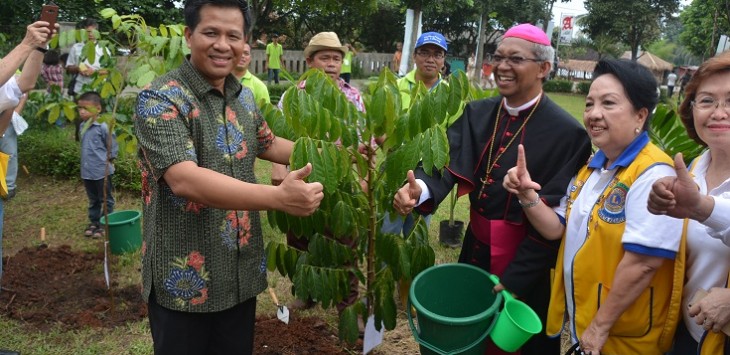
{"x": 566, "y": 29}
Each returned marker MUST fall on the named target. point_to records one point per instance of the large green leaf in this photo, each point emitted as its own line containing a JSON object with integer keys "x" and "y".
{"x": 439, "y": 147}
{"x": 348, "y": 329}
{"x": 343, "y": 219}
{"x": 385, "y": 309}
{"x": 327, "y": 252}
{"x": 438, "y": 104}
{"x": 422, "y": 258}
{"x": 388, "y": 248}
{"x": 427, "y": 157}
{"x": 404, "y": 158}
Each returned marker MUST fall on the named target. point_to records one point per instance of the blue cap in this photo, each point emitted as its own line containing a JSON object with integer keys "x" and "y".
{"x": 434, "y": 38}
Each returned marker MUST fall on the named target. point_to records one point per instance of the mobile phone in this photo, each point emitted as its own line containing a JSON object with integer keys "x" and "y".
{"x": 49, "y": 13}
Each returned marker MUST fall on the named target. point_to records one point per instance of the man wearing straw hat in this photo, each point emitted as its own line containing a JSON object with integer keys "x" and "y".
{"x": 483, "y": 145}
{"x": 324, "y": 52}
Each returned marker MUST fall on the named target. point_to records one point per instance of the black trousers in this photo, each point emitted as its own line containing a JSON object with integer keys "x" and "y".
{"x": 226, "y": 332}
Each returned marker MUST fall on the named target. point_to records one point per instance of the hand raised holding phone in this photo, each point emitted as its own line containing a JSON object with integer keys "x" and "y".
{"x": 49, "y": 13}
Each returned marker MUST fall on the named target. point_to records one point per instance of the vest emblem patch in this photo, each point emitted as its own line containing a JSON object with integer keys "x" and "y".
{"x": 613, "y": 206}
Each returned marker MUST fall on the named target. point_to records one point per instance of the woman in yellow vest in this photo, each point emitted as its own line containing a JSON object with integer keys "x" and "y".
{"x": 619, "y": 272}
{"x": 701, "y": 196}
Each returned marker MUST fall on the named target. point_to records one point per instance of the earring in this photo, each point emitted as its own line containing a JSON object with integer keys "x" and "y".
{"x": 637, "y": 130}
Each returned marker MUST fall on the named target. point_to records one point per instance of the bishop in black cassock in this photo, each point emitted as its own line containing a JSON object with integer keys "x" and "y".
{"x": 483, "y": 146}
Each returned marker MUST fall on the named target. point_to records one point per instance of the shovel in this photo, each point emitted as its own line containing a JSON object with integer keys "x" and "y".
{"x": 281, "y": 311}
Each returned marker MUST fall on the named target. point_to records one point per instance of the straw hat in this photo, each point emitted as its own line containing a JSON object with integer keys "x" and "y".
{"x": 324, "y": 40}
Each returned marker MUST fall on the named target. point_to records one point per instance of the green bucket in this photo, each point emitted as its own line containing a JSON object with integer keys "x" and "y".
{"x": 125, "y": 231}
{"x": 455, "y": 309}
{"x": 515, "y": 324}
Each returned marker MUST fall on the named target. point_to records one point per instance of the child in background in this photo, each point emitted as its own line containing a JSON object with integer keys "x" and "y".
{"x": 52, "y": 70}
{"x": 96, "y": 161}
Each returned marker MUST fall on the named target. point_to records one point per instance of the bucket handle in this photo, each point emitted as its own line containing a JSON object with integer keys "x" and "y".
{"x": 575, "y": 350}
{"x": 438, "y": 350}
{"x": 505, "y": 294}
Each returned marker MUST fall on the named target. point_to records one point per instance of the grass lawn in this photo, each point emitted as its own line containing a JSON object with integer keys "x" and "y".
{"x": 60, "y": 208}
{"x": 575, "y": 104}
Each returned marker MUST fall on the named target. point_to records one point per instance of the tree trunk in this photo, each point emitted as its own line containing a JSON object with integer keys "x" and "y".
{"x": 548, "y": 16}
{"x": 480, "y": 48}
{"x": 406, "y": 61}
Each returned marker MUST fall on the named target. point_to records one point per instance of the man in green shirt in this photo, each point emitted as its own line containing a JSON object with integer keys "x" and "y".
{"x": 346, "y": 72}
{"x": 429, "y": 57}
{"x": 274, "y": 51}
{"x": 247, "y": 79}
{"x": 203, "y": 260}
{"x": 430, "y": 54}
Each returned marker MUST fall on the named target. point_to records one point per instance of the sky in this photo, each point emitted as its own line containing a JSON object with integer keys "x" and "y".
{"x": 575, "y": 7}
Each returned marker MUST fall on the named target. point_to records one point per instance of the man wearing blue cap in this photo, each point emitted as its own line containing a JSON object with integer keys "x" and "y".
{"x": 429, "y": 56}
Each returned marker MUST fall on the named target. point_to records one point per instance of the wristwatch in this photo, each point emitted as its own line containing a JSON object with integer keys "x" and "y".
{"x": 41, "y": 49}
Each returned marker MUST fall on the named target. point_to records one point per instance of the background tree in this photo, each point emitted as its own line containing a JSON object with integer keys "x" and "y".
{"x": 390, "y": 28}
{"x": 702, "y": 23}
{"x": 633, "y": 22}
{"x": 18, "y": 14}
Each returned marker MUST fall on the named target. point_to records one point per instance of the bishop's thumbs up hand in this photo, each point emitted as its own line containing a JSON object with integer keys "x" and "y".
{"x": 408, "y": 195}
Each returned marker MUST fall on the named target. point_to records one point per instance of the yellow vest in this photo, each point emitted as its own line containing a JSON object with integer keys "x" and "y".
{"x": 648, "y": 325}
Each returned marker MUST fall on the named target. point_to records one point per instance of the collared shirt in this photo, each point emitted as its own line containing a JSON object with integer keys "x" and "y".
{"x": 274, "y": 51}
{"x": 53, "y": 75}
{"x": 259, "y": 89}
{"x": 10, "y": 94}
{"x": 74, "y": 58}
{"x": 406, "y": 84}
{"x": 708, "y": 251}
{"x": 94, "y": 151}
{"x": 199, "y": 259}
{"x": 645, "y": 233}
{"x": 347, "y": 63}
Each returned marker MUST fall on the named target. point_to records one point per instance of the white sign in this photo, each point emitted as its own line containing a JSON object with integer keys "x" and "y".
{"x": 373, "y": 337}
{"x": 566, "y": 29}
{"x": 723, "y": 44}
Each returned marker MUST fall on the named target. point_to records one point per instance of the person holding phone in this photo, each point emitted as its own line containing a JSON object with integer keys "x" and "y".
{"x": 28, "y": 53}
{"x": 49, "y": 13}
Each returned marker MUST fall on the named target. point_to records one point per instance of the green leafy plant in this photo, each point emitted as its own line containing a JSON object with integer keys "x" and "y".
{"x": 558, "y": 86}
{"x": 326, "y": 129}
{"x": 583, "y": 87}
{"x": 669, "y": 134}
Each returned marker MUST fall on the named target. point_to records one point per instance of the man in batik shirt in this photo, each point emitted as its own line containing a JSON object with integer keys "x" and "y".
{"x": 203, "y": 259}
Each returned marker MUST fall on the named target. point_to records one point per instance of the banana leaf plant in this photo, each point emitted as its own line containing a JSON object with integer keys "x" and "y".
{"x": 359, "y": 188}
{"x": 669, "y": 134}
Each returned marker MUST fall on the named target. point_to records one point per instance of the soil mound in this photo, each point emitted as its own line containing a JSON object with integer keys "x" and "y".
{"x": 58, "y": 286}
